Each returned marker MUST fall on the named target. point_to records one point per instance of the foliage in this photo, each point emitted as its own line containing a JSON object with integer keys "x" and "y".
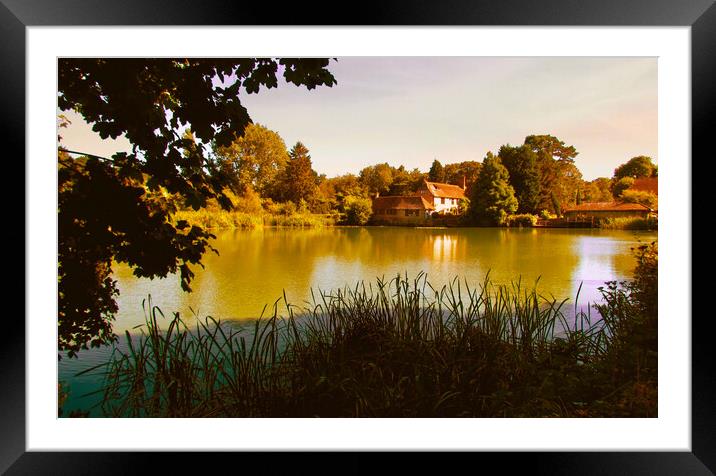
{"x": 285, "y": 215}
{"x": 559, "y": 178}
{"x": 492, "y": 198}
{"x": 630, "y": 314}
{"x": 436, "y": 172}
{"x": 522, "y": 220}
{"x": 628, "y": 223}
{"x": 358, "y": 210}
{"x": 284, "y": 208}
{"x": 457, "y": 172}
{"x": 598, "y": 190}
{"x": 299, "y": 181}
{"x": 254, "y": 160}
{"x": 405, "y": 182}
{"x": 521, "y": 163}
{"x": 618, "y": 186}
{"x": 376, "y": 178}
{"x": 636, "y": 167}
{"x": 568, "y": 184}
{"x": 121, "y": 209}
{"x": 545, "y": 214}
{"x": 641, "y": 197}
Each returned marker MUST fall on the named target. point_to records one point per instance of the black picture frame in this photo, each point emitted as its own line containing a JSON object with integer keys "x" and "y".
{"x": 16, "y": 15}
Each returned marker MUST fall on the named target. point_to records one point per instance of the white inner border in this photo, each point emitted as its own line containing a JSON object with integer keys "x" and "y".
{"x": 670, "y": 431}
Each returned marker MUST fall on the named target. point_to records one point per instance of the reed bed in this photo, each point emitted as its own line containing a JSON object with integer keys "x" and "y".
{"x": 217, "y": 218}
{"x": 629, "y": 223}
{"x": 390, "y": 348}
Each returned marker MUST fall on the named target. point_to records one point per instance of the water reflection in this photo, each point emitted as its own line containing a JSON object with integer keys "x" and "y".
{"x": 256, "y": 267}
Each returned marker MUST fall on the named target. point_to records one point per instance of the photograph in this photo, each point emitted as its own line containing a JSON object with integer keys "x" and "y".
{"x": 358, "y": 236}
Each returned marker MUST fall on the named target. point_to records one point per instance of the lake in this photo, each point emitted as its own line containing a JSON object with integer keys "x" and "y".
{"x": 255, "y": 267}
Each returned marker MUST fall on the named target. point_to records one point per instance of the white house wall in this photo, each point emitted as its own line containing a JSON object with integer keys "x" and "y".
{"x": 450, "y": 205}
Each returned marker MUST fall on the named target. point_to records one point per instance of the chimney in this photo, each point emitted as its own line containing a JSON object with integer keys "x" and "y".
{"x": 464, "y": 183}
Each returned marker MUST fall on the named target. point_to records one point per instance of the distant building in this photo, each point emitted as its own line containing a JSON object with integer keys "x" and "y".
{"x": 413, "y": 210}
{"x": 606, "y": 210}
{"x": 445, "y": 197}
{"x": 646, "y": 184}
{"x": 442, "y": 198}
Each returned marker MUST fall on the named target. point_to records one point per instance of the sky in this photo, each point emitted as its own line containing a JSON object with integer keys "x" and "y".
{"x": 413, "y": 110}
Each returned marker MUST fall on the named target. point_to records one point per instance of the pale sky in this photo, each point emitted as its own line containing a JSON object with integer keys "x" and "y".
{"x": 412, "y": 110}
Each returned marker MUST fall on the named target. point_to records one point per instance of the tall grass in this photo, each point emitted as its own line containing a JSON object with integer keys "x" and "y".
{"x": 218, "y": 218}
{"x": 628, "y": 223}
{"x": 396, "y": 348}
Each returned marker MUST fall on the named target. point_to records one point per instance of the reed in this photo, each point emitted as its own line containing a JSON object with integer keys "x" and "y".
{"x": 218, "y": 218}
{"x": 629, "y": 223}
{"x": 389, "y": 348}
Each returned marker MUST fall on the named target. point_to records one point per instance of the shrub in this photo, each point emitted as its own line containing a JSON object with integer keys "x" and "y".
{"x": 630, "y": 315}
{"x": 524, "y": 219}
{"x": 285, "y": 209}
{"x": 358, "y": 210}
{"x": 249, "y": 202}
{"x": 547, "y": 215}
{"x": 619, "y": 186}
{"x": 641, "y": 197}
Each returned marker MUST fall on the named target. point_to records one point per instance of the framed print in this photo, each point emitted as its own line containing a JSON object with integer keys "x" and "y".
{"x": 389, "y": 161}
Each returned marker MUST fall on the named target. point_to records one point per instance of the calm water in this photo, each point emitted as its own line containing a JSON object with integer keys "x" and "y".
{"x": 255, "y": 267}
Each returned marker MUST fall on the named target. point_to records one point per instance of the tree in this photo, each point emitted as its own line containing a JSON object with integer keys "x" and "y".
{"x": 568, "y": 183}
{"x": 358, "y": 210}
{"x": 299, "y": 181}
{"x": 121, "y": 209}
{"x": 554, "y": 161}
{"x": 492, "y": 198}
{"x": 521, "y": 163}
{"x": 377, "y": 178}
{"x": 618, "y": 186}
{"x": 598, "y": 190}
{"x": 467, "y": 170}
{"x": 437, "y": 172}
{"x": 636, "y": 167}
{"x": 254, "y": 160}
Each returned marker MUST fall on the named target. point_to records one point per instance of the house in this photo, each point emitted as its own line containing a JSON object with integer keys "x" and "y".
{"x": 606, "y": 210}
{"x": 411, "y": 210}
{"x": 444, "y": 197}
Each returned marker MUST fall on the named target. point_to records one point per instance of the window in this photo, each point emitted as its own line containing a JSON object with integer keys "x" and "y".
{"x": 391, "y": 211}
{"x": 442, "y": 200}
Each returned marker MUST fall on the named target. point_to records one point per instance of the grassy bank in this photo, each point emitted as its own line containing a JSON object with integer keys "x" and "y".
{"x": 630, "y": 223}
{"x": 217, "y": 218}
{"x": 403, "y": 349}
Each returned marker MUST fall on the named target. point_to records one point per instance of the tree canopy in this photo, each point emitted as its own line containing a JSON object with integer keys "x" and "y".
{"x": 636, "y": 167}
{"x": 492, "y": 197}
{"x": 437, "y": 172}
{"x": 559, "y": 178}
{"x": 120, "y": 208}
{"x": 299, "y": 181}
{"x": 521, "y": 163}
{"x": 254, "y": 160}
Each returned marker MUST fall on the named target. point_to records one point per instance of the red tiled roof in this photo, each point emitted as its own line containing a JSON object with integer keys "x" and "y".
{"x": 607, "y": 207}
{"x": 444, "y": 190}
{"x": 646, "y": 184}
{"x": 415, "y": 202}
